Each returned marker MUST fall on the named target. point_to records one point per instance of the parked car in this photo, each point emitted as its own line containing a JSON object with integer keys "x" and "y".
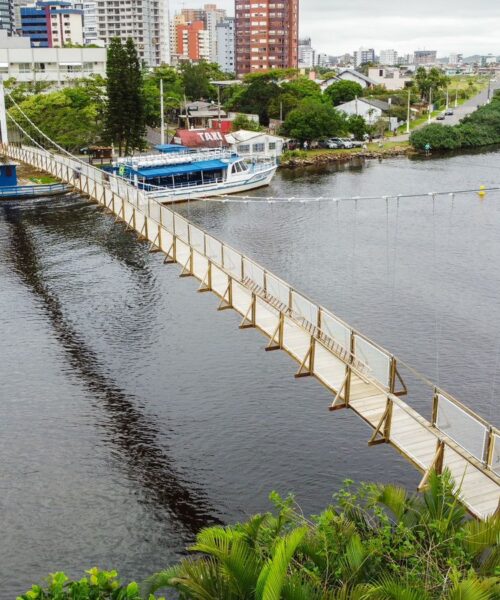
{"x": 448, "y": 112}
{"x": 339, "y": 143}
{"x": 440, "y": 117}
{"x": 347, "y": 143}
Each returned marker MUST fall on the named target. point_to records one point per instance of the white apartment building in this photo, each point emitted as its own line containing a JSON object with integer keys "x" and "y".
{"x": 90, "y": 35}
{"x": 388, "y": 57}
{"x": 307, "y": 55}
{"x": 226, "y": 45}
{"x": 213, "y": 16}
{"x": 53, "y": 65}
{"x": 364, "y": 55}
{"x": 142, "y": 20}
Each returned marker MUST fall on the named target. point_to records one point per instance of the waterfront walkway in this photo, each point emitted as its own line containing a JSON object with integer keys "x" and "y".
{"x": 361, "y": 375}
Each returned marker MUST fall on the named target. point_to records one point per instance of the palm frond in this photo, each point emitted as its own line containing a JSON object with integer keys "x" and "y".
{"x": 391, "y": 589}
{"x": 278, "y": 565}
{"x": 472, "y": 589}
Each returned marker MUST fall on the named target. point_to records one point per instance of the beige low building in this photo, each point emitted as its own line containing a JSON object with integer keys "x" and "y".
{"x": 390, "y": 77}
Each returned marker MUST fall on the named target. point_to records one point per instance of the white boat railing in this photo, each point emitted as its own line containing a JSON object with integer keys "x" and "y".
{"x": 156, "y": 160}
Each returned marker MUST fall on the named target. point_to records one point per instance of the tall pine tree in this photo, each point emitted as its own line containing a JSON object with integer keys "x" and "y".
{"x": 135, "y": 100}
{"x": 125, "y": 111}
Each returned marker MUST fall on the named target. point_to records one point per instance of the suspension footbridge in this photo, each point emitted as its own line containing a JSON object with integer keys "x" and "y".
{"x": 361, "y": 375}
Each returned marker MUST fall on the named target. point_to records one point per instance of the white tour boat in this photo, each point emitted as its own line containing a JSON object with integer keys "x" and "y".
{"x": 182, "y": 174}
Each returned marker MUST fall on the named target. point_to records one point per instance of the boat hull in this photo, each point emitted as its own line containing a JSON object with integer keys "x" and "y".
{"x": 257, "y": 180}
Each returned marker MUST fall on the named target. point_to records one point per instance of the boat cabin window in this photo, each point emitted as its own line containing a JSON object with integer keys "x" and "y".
{"x": 239, "y": 167}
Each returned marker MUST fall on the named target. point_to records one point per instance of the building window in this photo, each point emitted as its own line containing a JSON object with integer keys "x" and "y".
{"x": 272, "y": 145}
{"x": 39, "y": 66}
{"x": 258, "y": 148}
{"x": 25, "y": 67}
{"x": 244, "y": 148}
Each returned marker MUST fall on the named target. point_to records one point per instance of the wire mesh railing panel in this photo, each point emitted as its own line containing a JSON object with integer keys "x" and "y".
{"x": 494, "y": 462}
{"x": 213, "y": 249}
{"x": 378, "y": 361}
{"x": 266, "y": 317}
{"x": 197, "y": 238}
{"x": 232, "y": 262}
{"x": 166, "y": 241}
{"x": 295, "y": 340}
{"x": 336, "y": 330}
{"x": 241, "y": 298}
{"x": 304, "y": 308}
{"x": 200, "y": 265}
{"x": 167, "y": 218}
{"x": 328, "y": 368}
{"x": 181, "y": 228}
{"x": 154, "y": 210}
{"x": 182, "y": 252}
{"x": 220, "y": 281}
{"x": 277, "y": 289}
{"x": 462, "y": 427}
{"x": 253, "y": 272}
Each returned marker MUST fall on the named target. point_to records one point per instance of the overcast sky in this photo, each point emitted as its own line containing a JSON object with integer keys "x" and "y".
{"x": 338, "y": 26}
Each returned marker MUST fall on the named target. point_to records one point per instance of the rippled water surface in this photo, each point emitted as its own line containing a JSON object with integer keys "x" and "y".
{"x": 132, "y": 413}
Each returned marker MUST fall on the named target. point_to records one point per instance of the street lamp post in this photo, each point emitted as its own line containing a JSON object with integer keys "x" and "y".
{"x": 162, "y": 116}
{"x": 430, "y": 106}
{"x": 408, "y": 112}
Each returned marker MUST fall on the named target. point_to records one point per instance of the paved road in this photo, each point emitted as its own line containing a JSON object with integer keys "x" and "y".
{"x": 469, "y": 106}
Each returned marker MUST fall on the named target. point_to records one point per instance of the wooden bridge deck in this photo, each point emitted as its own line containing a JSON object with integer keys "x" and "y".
{"x": 360, "y": 374}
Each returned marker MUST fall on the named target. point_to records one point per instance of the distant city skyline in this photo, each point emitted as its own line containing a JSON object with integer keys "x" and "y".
{"x": 464, "y": 27}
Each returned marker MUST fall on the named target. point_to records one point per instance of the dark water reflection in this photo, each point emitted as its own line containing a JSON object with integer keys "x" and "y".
{"x": 132, "y": 413}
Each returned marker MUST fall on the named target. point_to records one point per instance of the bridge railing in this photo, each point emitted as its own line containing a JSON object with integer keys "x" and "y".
{"x": 321, "y": 342}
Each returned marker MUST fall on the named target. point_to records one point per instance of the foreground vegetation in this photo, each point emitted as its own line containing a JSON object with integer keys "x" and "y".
{"x": 374, "y": 542}
{"x": 480, "y": 128}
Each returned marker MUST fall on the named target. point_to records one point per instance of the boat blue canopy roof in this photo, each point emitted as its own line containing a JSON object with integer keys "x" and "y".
{"x": 169, "y": 148}
{"x": 169, "y": 171}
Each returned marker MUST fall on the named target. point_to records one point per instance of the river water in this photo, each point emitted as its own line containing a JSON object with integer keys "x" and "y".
{"x": 133, "y": 413}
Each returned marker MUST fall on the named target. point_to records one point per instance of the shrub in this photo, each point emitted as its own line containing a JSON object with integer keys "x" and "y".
{"x": 440, "y": 137}
{"x": 97, "y": 585}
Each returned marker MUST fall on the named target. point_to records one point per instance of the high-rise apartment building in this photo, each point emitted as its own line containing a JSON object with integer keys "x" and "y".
{"x": 306, "y": 54}
{"x": 225, "y": 45}
{"x": 267, "y": 33}
{"x": 210, "y": 16}
{"x": 7, "y": 16}
{"x": 192, "y": 41}
{"x": 145, "y": 21}
{"x": 424, "y": 57}
{"x": 363, "y": 56}
{"x": 388, "y": 58}
{"x": 52, "y": 24}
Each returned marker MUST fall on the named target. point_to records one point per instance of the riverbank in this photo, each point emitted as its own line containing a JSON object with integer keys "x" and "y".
{"x": 306, "y": 158}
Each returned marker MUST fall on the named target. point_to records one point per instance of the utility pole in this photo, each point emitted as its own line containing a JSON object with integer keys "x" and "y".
{"x": 447, "y": 99}
{"x": 3, "y": 115}
{"x": 408, "y": 112}
{"x": 456, "y": 98}
{"x": 430, "y": 106}
{"x": 162, "y": 126}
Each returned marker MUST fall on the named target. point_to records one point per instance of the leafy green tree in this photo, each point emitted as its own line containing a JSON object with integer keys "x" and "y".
{"x": 255, "y": 97}
{"x": 243, "y": 122}
{"x": 434, "y": 80}
{"x": 173, "y": 93}
{"x": 343, "y": 91}
{"x": 357, "y": 126}
{"x": 196, "y": 78}
{"x": 72, "y": 117}
{"x": 314, "y": 120}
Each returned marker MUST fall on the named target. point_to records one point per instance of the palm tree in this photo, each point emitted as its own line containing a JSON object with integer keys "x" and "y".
{"x": 377, "y": 543}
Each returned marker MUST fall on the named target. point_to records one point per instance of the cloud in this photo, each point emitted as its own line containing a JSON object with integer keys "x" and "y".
{"x": 338, "y": 27}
